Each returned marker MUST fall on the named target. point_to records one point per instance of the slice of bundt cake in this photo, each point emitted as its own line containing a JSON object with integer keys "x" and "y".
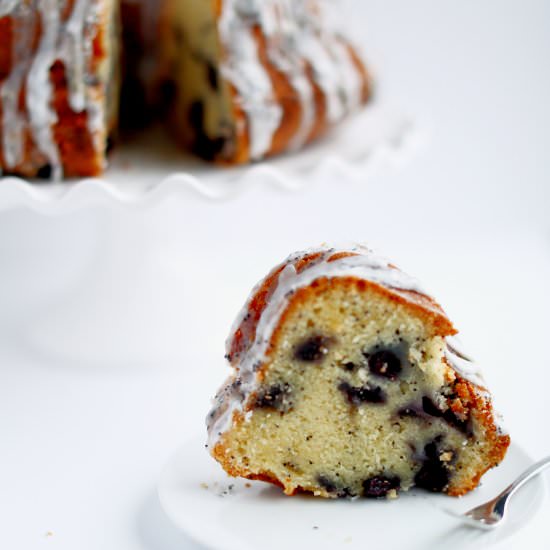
{"x": 253, "y": 78}
{"x": 58, "y": 86}
{"x": 348, "y": 382}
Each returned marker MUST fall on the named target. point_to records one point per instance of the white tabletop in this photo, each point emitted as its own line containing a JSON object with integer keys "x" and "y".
{"x": 112, "y": 322}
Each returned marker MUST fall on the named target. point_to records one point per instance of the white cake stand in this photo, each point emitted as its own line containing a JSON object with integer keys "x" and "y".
{"x": 151, "y": 168}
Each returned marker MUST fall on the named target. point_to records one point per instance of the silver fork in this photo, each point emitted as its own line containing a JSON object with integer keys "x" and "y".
{"x": 491, "y": 514}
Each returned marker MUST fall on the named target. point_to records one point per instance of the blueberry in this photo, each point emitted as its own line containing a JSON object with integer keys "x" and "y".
{"x": 196, "y": 115}
{"x": 380, "y": 486}
{"x": 429, "y": 407}
{"x": 357, "y": 395}
{"x": 208, "y": 148}
{"x": 410, "y": 411}
{"x": 277, "y": 397}
{"x": 44, "y": 172}
{"x": 433, "y": 474}
{"x": 331, "y": 487}
{"x": 349, "y": 366}
{"x": 327, "y": 484}
{"x": 212, "y": 75}
{"x": 110, "y": 144}
{"x": 168, "y": 92}
{"x": 312, "y": 349}
{"x": 203, "y": 145}
{"x": 384, "y": 363}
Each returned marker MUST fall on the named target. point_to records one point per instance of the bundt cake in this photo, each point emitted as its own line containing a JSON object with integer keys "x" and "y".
{"x": 236, "y": 80}
{"x": 348, "y": 381}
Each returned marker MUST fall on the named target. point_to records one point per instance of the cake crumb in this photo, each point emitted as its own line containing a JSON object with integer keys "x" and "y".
{"x": 446, "y": 456}
{"x": 204, "y": 485}
{"x": 225, "y": 491}
{"x": 248, "y": 485}
{"x": 49, "y": 534}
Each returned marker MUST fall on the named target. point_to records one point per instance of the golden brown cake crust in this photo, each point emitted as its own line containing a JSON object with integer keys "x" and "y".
{"x": 470, "y": 399}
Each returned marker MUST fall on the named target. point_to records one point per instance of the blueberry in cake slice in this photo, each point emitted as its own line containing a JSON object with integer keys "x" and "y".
{"x": 348, "y": 381}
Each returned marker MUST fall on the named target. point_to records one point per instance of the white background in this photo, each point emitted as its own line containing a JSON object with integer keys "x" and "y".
{"x": 112, "y": 321}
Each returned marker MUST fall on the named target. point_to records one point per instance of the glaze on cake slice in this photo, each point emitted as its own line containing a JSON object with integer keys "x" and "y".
{"x": 347, "y": 381}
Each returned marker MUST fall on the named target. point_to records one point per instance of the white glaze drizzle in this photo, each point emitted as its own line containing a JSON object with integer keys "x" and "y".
{"x": 351, "y": 84}
{"x": 69, "y": 42}
{"x": 39, "y": 88}
{"x": 13, "y": 122}
{"x": 243, "y": 68}
{"x": 281, "y": 28}
{"x": 83, "y": 95}
{"x": 331, "y": 62}
{"x": 468, "y": 369}
{"x": 462, "y": 363}
{"x": 368, "y": 266}
{"x": 295, "y": 34}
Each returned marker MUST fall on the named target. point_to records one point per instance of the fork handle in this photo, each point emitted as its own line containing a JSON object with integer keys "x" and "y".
{"x": 531, "y": 472}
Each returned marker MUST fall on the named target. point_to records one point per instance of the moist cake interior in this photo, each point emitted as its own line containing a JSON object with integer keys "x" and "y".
{"x": 202, "y": 117}
{"x": 357, "y": 401}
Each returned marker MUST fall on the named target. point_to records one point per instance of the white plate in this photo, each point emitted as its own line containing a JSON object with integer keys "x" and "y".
{"x": 234, "y": 514}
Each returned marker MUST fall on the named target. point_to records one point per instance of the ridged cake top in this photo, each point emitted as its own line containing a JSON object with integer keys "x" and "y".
{"x": 298, "y": 38}
{"x": 63, "y": 37}
{"x": 248, "y": 346}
